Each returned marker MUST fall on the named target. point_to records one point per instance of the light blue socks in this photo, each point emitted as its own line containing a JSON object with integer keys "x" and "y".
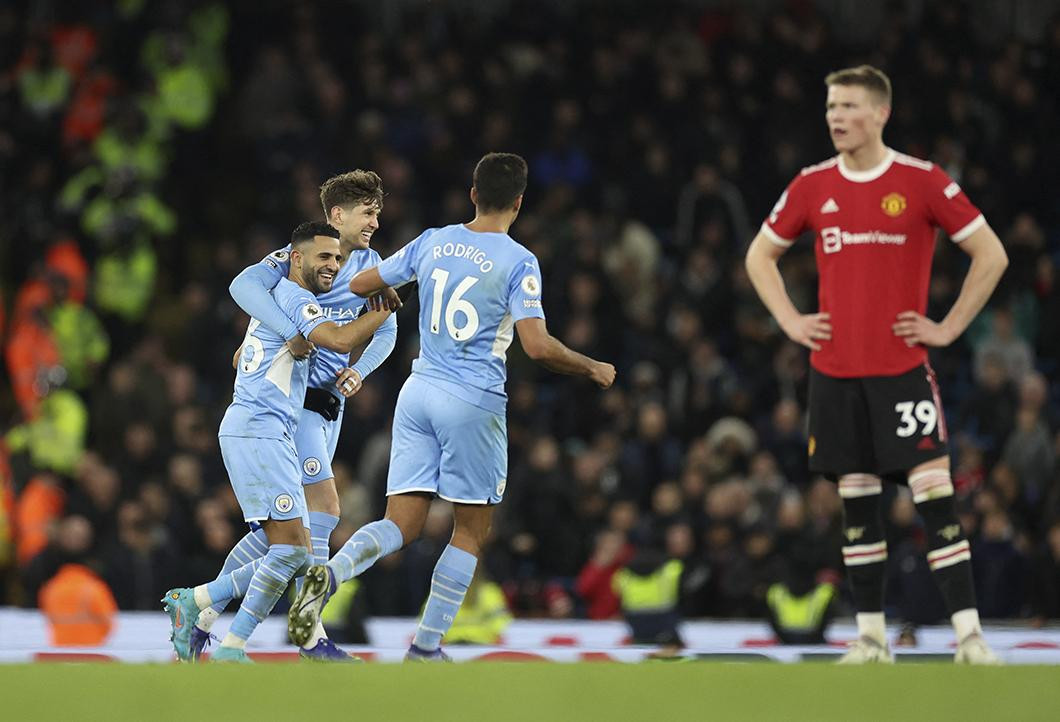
{"x": 247, "y": 554}
{"x": 452, "y": 576}
{"x": 364, "y": 548}
{"x": 247, "y": 550}
{"x": 231, "y": 585}
{"x": 281, "y": 564}
{"x": 320, "y": 527}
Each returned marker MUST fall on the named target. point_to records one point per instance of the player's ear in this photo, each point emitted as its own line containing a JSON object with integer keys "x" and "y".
{"x": 518, "y": 203}
{"x": 883, "y": 113}
{"x": 474, "y": 196}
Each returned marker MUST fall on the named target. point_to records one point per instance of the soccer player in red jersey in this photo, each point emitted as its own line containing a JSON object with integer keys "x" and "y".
{"x": 874, "y": 407}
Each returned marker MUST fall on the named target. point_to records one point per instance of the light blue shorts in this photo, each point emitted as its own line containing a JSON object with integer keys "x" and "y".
{"x": 265, "y": 477}
{"x": 316, "y": 439}
{"x": 447, "y": 446}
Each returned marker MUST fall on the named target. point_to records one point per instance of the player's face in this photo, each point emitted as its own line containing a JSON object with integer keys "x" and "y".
{"x": 357, "y": 223}
{"x": 854, "y": 118}
{"x": 320, "y": 262}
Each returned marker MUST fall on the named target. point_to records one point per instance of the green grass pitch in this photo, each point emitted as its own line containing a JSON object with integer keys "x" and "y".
{"x": 537, "y": 692}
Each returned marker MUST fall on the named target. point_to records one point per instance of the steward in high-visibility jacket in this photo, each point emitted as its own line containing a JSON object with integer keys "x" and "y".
{"x": 800, "y": 618}
{"x": 82, "y": 342}
{"x": 79, "y": 606}
{"x": 55, "y": 438}
{"x": 648, "y": 589}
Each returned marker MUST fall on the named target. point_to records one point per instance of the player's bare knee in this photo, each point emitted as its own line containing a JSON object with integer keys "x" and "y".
{"x": 471, "y": 527}
{"x": 477, "y": 535}
{"x": 408, "y": 512}
{"x": 466, "y": 541}
{"x": 401, "y": 521}
{"x": 285, "y": 531}
{"x": 323, "y": 497}
{"x": 410, "y": 530}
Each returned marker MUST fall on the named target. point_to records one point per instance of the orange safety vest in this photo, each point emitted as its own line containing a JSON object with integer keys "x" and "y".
{"x": 65, "y": 259}
{"x": 79, "y": 606}
{"x": 30, "y": 350}
{"x": 39, "y": 505}
{"x": 7, "y": 508}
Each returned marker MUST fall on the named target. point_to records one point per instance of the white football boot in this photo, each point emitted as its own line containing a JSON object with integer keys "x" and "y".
{"x": 973, "y": 649}
{"x": 866, "y": 650}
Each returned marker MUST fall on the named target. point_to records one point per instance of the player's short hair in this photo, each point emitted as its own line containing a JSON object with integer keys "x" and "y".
{"x": 352, "y": 189}
{"x": 310, "y": 230}
{"x": 872, "y": 79}
{"x": 499, "y": 179}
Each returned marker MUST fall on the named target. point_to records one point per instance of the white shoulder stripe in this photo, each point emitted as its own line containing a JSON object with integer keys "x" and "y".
{"x": 913, "y": 162}
{"x": 969, "y": 229}
{"x": 772, "y": 235}
{"x": 824, "y": 165}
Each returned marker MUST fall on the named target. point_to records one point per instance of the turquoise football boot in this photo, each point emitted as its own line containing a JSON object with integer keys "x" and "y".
{"x": 183, "y": 614}
{"x": 231, "y": 654}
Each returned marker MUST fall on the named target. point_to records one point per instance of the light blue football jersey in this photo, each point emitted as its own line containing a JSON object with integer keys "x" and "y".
{"x": 270, "y": 382}
{"x": 340, "y": 305}
{"x": 473, "y": 288}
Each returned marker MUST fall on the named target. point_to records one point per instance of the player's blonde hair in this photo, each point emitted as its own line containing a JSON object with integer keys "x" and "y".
{"x": 872, "y": 79}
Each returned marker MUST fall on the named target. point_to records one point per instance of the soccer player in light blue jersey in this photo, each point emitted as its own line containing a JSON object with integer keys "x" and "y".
{"x": 477, "y": 287}
{"x": 257, "y": 444}
{"x": 352, "y": 202}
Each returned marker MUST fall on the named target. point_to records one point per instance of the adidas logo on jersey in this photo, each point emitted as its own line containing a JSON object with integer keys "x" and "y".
{"x": 830, "y": 206}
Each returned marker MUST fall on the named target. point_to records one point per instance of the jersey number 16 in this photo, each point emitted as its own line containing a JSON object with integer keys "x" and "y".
{"x": 457, "y": 303}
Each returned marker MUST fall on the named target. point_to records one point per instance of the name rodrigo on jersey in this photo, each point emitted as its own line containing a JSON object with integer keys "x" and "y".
{"x": 466, "y": 251}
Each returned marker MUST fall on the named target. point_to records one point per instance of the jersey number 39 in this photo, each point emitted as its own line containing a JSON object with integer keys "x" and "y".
{"x": 912, "y": 412}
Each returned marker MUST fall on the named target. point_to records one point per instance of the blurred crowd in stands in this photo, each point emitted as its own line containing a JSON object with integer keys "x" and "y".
{"x": 149, "y": 151}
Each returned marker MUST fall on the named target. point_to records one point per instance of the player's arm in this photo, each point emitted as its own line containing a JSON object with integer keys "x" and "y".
{"x": 378, "y": 349}
{"x": 348, "y": 336}
{"x": 398, "y": 271}
{"x": 761, "y": 263}
{"x": 251, "y": 292}
{"x": 369, "y": 284}
{"x": 366, "y": 358}
{"x": 549, "y": 351}
{"x": 989, "y": 261}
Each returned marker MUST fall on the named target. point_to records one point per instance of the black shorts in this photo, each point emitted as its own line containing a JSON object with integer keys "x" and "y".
{"x": 880, "y": 425}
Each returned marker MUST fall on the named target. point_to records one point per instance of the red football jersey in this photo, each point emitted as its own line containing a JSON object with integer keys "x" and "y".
{"x": 875, "y": 235}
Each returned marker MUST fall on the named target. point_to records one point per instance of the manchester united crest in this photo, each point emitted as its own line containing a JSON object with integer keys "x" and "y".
{"x": 893, "y": 204}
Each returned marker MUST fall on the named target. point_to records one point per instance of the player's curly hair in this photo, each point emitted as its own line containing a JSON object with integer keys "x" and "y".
{"x": 872, "y": 79}
{"x": 352, "y": 189}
